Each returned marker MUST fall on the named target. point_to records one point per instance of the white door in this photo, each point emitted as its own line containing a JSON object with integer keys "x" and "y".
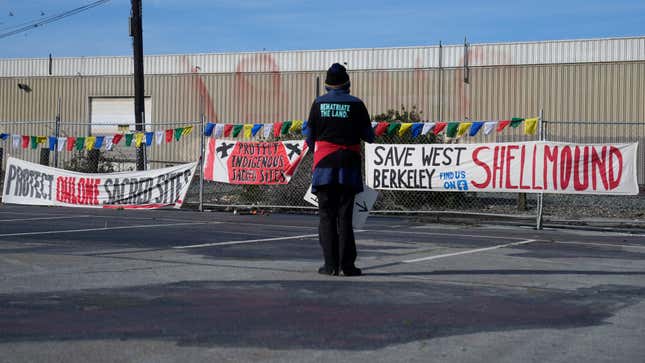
{"x": 111, "y": 115}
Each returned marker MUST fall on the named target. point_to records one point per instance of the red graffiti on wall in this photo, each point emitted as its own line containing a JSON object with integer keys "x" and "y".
{"x": 203, "y": 94}
{"x": 249, "y": 90}
{"x": 254, "y": 100}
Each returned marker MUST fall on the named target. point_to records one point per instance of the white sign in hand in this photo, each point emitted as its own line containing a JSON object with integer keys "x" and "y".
{"x": 363, "y": 203}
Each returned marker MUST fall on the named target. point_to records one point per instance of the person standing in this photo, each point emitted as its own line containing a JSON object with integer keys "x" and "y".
{"x": 337, "y": 124}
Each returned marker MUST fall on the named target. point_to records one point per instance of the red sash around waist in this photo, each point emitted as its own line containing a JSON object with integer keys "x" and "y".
{"x": 325, "y": 148}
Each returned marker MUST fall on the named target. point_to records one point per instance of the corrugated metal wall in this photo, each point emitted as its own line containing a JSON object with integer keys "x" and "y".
{"x": 595, "y": 92}
{"x": 590, "y": 92}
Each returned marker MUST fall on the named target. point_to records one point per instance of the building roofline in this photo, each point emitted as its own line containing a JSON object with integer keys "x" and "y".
{"x": 642, "y": 37}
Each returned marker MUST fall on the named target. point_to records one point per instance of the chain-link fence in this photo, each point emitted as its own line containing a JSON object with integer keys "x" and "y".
{"x": 171, "y": 143}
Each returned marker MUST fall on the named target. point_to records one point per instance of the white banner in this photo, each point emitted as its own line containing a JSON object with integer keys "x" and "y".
{"x": 520, "y": 167}
{"x": 363, "y": 203}
{"x": 259, "y": 163}
{"x": 34, "y": 184}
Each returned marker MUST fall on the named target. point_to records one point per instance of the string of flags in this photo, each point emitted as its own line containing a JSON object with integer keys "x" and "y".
{"x": 248, "y": 131}
{"x": 450, "y": 129}
{"x": 454, "y": 129}
{"x": 70, "y": 143}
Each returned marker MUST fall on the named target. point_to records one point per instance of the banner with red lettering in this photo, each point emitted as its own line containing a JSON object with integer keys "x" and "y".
{"x": 34, "y": 184}
{"x": 259, "y": 163}
{"x": 520, "y": 167}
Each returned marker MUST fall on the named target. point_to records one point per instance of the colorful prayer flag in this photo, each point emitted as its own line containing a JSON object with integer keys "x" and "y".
{"x": 427, "y": 127}
{"x": 117, "y": 138}
{"x": 187, "y": 130}
{"x": 128, "y": 139}
{"x": 159, "y": 137}
{"x": 416, "y": 129}
{"x": 15, "y": 140}
{"x": 516, "y": 121}
{"x": 267, "y": 130}
{"x": 530, "y": 126}
{"x": 247, "y": 130}
{"x": 99, "y": 142}
{"x": 178, "y": 132}
{"x": 489, "y": 126}
{"x": 169, "y": 135}
{"x": 237, "y": 129}
{"x": 138, "y": 139}
{"x": 208, "y": 130}
{"x": 381, "y": 128}
{"x": 277, "y": 128}
{"x": 89, "y": 142}
{"x": 80, "y": 143}
{"x": 149, "y": 136}
{"x": 227, "y": 130}
{"x": 296, "y": 126}
{"x": 392, "y": 128}
{"x": 463, "y": 127}
{"x": 60, "y": 143}
{"x": 501, "y": 125}
{"x": 438, "y": 127}
{"x": 474, "y": 128}
{"x": 285, "y": 127}
{"x": 109, "y": 142}
{"x": 255, "y": 129}
{"x": 452, "y": 128}
{"x": 219, "y": 130}
{"x": 405, "y": 126}
{"x": 71, "y": 142}
{"x": 52, "y": 143}
{"x": 305, "y": 128}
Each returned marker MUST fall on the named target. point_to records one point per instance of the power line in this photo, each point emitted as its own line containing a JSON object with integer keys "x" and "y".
{"x": 16, "y": 29}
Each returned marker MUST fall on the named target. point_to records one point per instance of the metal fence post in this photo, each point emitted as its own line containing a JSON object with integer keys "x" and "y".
{"x": 1, "y": 172}
{"x": 440, "y": 85}
{"x": 540, "y": 200}
{"x": 201, "y": 156}
{"x": 57, "y": 134}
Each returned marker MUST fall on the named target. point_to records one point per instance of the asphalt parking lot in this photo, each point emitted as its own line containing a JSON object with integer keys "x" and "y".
{"x": 81, "y": 285}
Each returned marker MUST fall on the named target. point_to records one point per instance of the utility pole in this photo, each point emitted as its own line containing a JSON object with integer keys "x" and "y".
{"x": 136, "y": 32}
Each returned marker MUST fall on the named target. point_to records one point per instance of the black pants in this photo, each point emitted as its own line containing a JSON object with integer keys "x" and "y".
{"x": 336, "y": 206}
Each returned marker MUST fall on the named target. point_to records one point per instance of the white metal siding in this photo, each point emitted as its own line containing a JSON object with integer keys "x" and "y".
{"x": 547, "y": 52}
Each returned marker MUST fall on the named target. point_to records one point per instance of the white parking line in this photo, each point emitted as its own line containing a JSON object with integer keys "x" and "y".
{"x": 228, "y": 243}
{"x": 598, "y": 244}
{"x": 104, "y": 229}
{"x": 44, "y": 218}
{"x": 435, "y": 257}
{"x": 246, "y": 241}
{"x": 456, "y": 234}
{"x": 270, "y": 225}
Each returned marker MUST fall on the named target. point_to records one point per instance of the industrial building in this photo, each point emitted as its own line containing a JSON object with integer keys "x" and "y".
{"x": 590, "y": 90}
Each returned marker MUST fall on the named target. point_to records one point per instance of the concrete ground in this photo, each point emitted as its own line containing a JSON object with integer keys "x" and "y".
{"x": 80, "y": 285}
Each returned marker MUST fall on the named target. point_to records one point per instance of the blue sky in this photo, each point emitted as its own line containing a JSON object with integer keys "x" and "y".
{"x": 203, "y": 26}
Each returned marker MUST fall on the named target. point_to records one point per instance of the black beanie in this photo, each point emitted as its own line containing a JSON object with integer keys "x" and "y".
{"x": 336, "y": 75}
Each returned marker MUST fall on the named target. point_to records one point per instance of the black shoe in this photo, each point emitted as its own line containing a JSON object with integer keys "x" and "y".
{"x": 352, "y": 271}
{"x": 324, "y": 270}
